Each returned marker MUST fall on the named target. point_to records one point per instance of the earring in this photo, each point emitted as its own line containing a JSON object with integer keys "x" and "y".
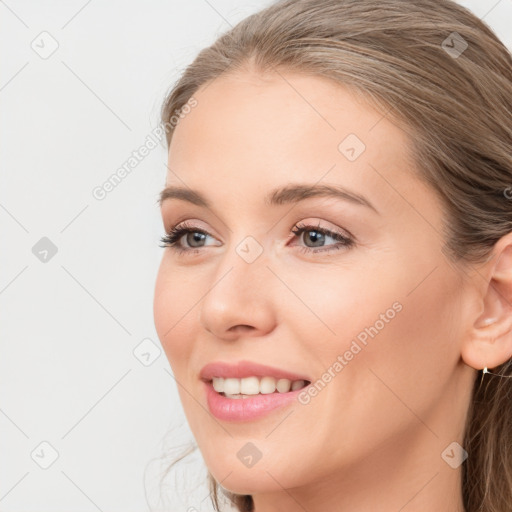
{"x": 485, "y": 370}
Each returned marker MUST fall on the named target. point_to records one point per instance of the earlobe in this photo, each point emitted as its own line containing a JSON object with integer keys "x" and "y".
{"x": 489, "y": 346}
{"x": 485, "y": 321}
{"x": 489, "y": 343}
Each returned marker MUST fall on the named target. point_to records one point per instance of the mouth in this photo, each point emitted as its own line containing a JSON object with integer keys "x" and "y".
{"x": 246, "y": 390}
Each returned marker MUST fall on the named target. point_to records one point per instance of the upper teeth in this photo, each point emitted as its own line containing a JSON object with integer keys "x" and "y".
{"x": 255, "y": 385}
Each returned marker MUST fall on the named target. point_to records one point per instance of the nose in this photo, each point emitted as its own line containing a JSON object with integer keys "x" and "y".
{"x": 239, "y": 299}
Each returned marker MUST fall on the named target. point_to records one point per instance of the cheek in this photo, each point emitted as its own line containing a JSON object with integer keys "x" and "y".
{"x": 411, "y": 358}
{"x": 396, "y": 366}
{"x": 337, "y": 304}
{"x": 426, "y": 344}
{"x": 396, "y": 319}
{"x": 174, "y": 315}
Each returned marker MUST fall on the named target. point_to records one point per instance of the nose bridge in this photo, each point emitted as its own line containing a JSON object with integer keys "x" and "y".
{"x": 242, "y": 270}
{"x": 239, "y": 294}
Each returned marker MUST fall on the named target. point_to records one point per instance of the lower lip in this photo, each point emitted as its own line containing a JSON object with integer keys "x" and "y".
{"x": 246, "y": 409}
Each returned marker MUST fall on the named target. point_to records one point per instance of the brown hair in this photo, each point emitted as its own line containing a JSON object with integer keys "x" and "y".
{"x": 444, "y": 77}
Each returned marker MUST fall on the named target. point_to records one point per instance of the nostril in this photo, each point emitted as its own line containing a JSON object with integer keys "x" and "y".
{"x": 241, "y": 327}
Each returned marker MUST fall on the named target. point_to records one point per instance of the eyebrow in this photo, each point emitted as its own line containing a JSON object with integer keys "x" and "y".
{"x": 293, "y": 193}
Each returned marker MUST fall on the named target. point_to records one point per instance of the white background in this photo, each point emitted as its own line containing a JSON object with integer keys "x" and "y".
{"x": 69, "y": 326}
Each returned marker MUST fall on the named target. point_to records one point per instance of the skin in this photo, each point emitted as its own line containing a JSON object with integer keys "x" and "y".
{"x": 402, "y": 400}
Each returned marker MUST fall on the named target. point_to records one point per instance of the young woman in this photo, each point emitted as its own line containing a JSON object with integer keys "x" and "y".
{"x": 335, "y": 296}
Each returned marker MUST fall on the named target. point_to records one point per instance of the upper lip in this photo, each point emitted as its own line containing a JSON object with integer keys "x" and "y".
{"x": 241, "y": 369}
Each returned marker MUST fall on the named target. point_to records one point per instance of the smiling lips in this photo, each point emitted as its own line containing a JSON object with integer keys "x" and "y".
{"x": 245, "y": 391}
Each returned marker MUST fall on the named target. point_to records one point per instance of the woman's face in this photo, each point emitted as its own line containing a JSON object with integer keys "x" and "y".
{"x": 373, "y": 324}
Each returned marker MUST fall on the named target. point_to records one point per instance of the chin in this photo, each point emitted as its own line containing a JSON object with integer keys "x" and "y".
{"x": 249, "y": 482}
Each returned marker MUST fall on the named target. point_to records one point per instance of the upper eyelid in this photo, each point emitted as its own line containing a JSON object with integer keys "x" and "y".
{"x": 302, "y": 226}
{"x": 188, "y": 224}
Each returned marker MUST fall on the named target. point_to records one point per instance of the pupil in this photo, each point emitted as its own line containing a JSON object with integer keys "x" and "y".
{"x": 317, "y": 235}
{"x": 196, "y": 237}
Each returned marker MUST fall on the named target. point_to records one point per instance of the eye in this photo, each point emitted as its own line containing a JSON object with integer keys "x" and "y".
{"x": 319, "y": 235}
{"x": 173, "y": 237}
{"x": 175, "y": 234}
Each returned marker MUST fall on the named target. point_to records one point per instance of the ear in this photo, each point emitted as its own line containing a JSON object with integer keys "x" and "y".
{"x": 489, "y": 342}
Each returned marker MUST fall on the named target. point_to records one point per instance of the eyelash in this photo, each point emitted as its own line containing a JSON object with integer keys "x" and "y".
{"x": 172, "y": 238}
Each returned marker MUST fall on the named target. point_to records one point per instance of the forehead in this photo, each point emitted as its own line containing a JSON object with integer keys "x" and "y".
{"x": 251, "y": 131}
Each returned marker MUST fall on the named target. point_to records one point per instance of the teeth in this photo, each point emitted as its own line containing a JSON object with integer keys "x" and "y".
{"x": 249, "y": 386}
{"x": 283, "y": 385}
{"x": 231, "y": 386}
{"x": 238, "y": 388}
{"x": 298, "y": 384}
{"x": 218, "y": 384}
{"x": 267, "y": 385}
